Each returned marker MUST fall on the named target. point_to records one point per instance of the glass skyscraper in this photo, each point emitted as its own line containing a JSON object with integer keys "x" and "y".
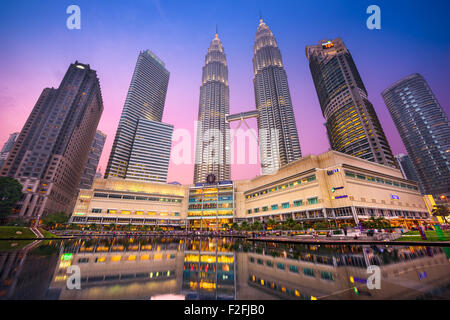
{"x": 50, "y": 153}
{"x": 424, "y": 129}
{"x": 212, "y": 153}
{"x": 278, "y": 136}
{"x": 351, "y": 121}
{"x": 90, "y": 167}
{"x": 145, "y": 99}
{"x": 150, "y": 153}
{"x": 7, "y": 147}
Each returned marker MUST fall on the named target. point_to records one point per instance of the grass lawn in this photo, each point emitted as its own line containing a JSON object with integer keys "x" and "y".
{"x": 47, "y": 234}
{"x": 11, "y": 232}
{"x": 13, "y": 245}
{"x": 431, "y": 236}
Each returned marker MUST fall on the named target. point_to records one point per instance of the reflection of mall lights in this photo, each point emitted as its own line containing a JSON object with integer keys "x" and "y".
{"x": 168, "y": 297}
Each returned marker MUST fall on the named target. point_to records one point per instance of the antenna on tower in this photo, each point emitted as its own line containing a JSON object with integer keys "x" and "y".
{"x": 217, "y": 29}
{"x": 260, "y": 16}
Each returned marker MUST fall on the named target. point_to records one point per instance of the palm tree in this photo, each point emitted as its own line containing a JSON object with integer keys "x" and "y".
{"x": 271, "y": 223}
{"x": 441, "y": 211}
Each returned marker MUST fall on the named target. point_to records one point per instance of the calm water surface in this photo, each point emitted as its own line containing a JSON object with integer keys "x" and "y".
{"x": 219, "y": 268}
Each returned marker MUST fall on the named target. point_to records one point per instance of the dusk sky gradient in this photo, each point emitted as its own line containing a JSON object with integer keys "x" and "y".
{"x": 37, "y": 48}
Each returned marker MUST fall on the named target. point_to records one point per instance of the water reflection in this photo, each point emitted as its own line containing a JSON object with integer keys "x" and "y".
{"x": 149, "y": 268}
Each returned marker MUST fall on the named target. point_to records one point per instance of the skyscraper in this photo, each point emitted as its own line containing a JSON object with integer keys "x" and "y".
{"x": 145, "y": 99}
{"x": 424, "y": 129}
{"x": 150, "y": 154}
{"x": 90, "y": 167}
{"x": 212, "y": 153}
{"x": 51, "y": 150}
{"x": 351, "y": 121}
{"x": 278, "y": 136}
{"x": 7, "y": 147}
{"x": 407, "y": 168}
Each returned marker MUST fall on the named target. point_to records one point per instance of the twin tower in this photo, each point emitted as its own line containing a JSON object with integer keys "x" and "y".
{"x": 277, "y": 131}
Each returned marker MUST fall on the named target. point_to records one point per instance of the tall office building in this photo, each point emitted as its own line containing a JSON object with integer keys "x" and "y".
{"x": 90, "y": 167}
{"x": 278, "y": 136}
{"x": 49, "y": 155}
{"x": 351, "y": 121}
{"x": 7, "y": 147}
{"x": 212, "y": 153}
{"x": 145, "y": 99}
{"x": 407, "y": 168}
{"x": 150, "y": 154}
{"x": 424, "y": 129}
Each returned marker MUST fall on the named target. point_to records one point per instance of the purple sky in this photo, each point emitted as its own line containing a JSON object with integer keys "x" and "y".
{"x": 37, "y": 49}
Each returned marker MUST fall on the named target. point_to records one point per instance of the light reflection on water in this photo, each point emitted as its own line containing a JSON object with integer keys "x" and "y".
{"x": 220, "y": 268}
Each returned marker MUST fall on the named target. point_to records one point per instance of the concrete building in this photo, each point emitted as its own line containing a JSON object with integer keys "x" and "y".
{"x": 90, "y": 167}
{"x": 425, "y": 131}
{"x": 351, "y": 121}
{"x": 277, "y": 130}
{"x": 7, "y": 147}
{"x": 332, "y": 187}
{"x": 122, "y": 201}
{"x": 145, "y": 99}
{"x": 212, "y": 151}
{"x": 51, "y": 150}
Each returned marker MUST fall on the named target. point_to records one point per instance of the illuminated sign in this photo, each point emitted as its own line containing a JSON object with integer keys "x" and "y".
{"x": 327, "y": 45}
{"x": 67, "y": 256}
{"x": 394, "y": 196}
{"x": 329, "y": 172}
{"x": 336, "y": 188}
{"x": 339, "y": 197}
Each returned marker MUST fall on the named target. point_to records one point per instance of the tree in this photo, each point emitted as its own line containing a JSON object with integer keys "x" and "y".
{"x": 55, "y": 219}
{"x": 257, "y": 225}
{"x": 441, "y": 211}
{"x": 271, "y": 223}
{"x": 235, "y": 226}
{"x": 10, "y": 193}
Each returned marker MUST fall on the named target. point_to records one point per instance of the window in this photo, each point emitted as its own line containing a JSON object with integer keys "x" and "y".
{"x": 95, "y": 210}
{"x": 256, "y": 210}
{"x": 308, "y": 272}
{"x": 361, "y": 177}
{"x": 380, "y": 180}
{"x": 111, "y": 211}
{"x": 265, "y": 208}
{"x": 280, "y": 266}
{"x": 285, "y": 205}
{"x": 293, "y": 269}
{"x": 311, "y": 178}
{"x": 349, "y": 174}
{"x": 259, "y": 261}
{"x": 313, "y": 200}
{"x": 115, "y": 196}
{"x": 100, "y": 195}
{"x": 298, "y": 203}
{"x": 327, "y": 275}
{"x": 269, "y": 263}
{"x": 249, "y": 211}
{"x": 274, "y": 207}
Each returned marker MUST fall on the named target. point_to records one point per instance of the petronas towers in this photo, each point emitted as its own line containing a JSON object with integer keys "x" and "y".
{"x": 277, "y": 131}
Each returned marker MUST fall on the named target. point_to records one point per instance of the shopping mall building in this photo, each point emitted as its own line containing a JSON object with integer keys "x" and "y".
{"x": 332, "y": 187}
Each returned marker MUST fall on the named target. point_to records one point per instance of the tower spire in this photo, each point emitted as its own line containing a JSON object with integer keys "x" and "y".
{"x": 260, "y": 17}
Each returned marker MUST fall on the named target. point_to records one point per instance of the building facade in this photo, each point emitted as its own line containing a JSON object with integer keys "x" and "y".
{"x": 211, "y": 205}
{"x": 424, "y": 129}
{"x": 150, "y": 153}
{"x": 212, "y": 152}
{"x": 90, "y": 167}
{"x": 351, "y": 121}
{"x": 145, "y": 99}
{"x": 332, "y": 187}
{"x": 7, "y": 147}
{"x": 277, "y": 130}
{"x": 50, "y": 153}
{"x": 123, "y": 202}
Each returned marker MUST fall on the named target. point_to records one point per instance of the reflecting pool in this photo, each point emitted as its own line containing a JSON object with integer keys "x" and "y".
{"x": 219, "y": 268}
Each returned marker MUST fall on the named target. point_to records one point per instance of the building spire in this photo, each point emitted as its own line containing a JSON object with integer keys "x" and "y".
{"x": 260, "y": 17}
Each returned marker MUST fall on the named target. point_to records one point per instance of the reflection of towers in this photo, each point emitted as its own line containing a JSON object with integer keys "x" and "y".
{"x": 212, "y": 153}
{"x": 351, "y": 121}
{"x": 278, "y": 137}
{"x": 209, "y": 270}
